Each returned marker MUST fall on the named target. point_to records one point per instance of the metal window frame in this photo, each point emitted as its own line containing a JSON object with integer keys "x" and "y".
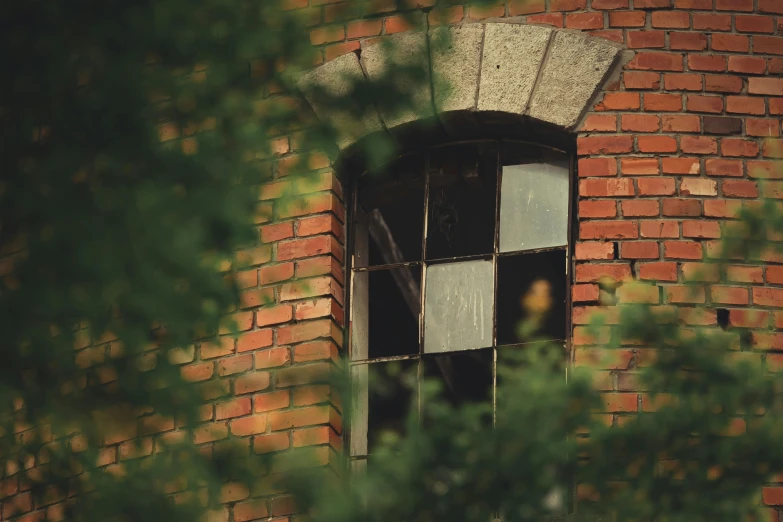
{"x": 350, "y": 270}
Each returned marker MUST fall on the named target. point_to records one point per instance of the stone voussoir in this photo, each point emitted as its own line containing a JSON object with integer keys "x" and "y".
{"x": 335, "y": 78}
{"x": 575, "y": 69}
{"x": 403, "y": 49}
{"x": 456, "y": 66}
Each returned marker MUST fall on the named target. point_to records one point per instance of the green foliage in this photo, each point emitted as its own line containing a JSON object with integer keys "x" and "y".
{"x": 135, "y": 136}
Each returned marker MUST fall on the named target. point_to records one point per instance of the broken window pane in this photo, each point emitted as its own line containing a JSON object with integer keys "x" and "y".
{"x": 534, "y": 206}
{"x": 465, "y": 377}
{"x": 458, "y": 306}
{"x": 462, "y": 195}
{"x": 389, "y": 305}
{"x": 383, "y": 395}
{"x": 393, "y": 202}
{"x": 516, "y": 276}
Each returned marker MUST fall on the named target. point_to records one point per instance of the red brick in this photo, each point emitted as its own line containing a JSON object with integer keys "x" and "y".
{"x": 640, "y": 122}
{"x": 679, "y": 294}
{"x": 297, "y": 418}
{"x": 608, "y": 230}
{"x": 721, "y": 208}
{"x": 701, "y": 229}
{"x": 589, "y": 145}
{"x": 620, "y": 402}
{"x": 762, "y": 127}
{"x": 662, "y": 102}
{"x": 682, "y": 166}
{"x": 251, "y": 382}
{"x": 276, "y": 232}
{"x": 745, "y": 274}
{"x": 658, "y": 271}
{"x": 745, "y": 105}
{"x": 627, "y": 18}
{"x": 322, "y": 35}
{"x": 639, "y": 250}
{"x": 712, "y": 22}
{"x": 765, "y": 169}
{"x": 274, "y": 274}
{"x": 687, "y": 41}
{"x": 682, "y": 250}
{"x": 766, "y": 86}
{"x": 608, "y": 187}
{"x": 722, "y": 83}
{"x": 671, "y": 20}
{"x": 706, "y": 62}
{"x": 254, "y": 340}
{"x": 594, "y": 272}
{"x": 734, "y": 5}
{"x": 210, "y": 432}
{"x": 683, "y": 82}
{"x": 600, "y": 123}
{"x": 641, "y": 80}
{"x": 731, "y": 295}
{"x": 320, "y": 224}
{"x": 593, "y": 167}
{"x": 251, "y": 510}
{"x": 305, "y": 331}
{"x": 594, "y": 250}
{"x": 656, "y": 61}
{"x": 767, "y": 45}
{"x": 639, "y": 166}
{"x": 656, "y": 186}
{"x": 747, "y": 64}
{"x": 640, "y": 207}
{"x": 712, "y": 104}
{"x": 768, "y": 297}
{"x": 740, "y": 189}
{"x": 584, "y": 21}
{"x": 680, "y": 123}
{"x": 698, "y": 145}
{"x": 524, "y": 7}
{"x": 252, "y": 425}
{"x": 584, "y": 293}
{"x": 333, "y": 51}
{"x": 308, "y": 247}
{"x": 619, "y": 101}
{"x": 658, "y": 229}
{"x": 268, "y": 444}
{"x": 770, "y": 6}
{"x": 739, "y": 147}
{"x": 730, "y": 43}
{"x": 364, "y": 28}
{"x": 724, "y": 167}
{"x": 681, "y": 207}
{"x": 597, "y": 209}
{"x": 655, "y": 144}
{"x": 553, "y": 19}
{"x": 645, "y": 39}
{"x": 754, "y": 24}
{"x": 773, "y": 148}
{"x": 234, "y": 408}
{"x": 272, "y": 358}
{"x": 748, "y": 318}
{"x": 270, "y": 401}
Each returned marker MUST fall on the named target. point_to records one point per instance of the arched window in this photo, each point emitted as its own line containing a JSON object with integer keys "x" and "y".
{"x": 445, "y": 243}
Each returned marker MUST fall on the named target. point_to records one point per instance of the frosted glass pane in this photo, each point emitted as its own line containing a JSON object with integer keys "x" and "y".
{"x": 458, "y": 306}
{"x": 534, "y": 206}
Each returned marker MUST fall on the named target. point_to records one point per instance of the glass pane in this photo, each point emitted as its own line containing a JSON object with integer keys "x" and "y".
{"x": 393, "y": 306}
{"x": 543, "y": 277}
{"x": 383, "y": 395}
{"x": 458, "y": 306}
{"x": 393, "y": 203}
{"x": 534, "y": 206}
{"x": 466, "y": 376}
{"x": 463, "y": 187}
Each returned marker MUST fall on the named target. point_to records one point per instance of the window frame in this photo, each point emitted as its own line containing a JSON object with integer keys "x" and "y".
{"x": 350, "y": 271}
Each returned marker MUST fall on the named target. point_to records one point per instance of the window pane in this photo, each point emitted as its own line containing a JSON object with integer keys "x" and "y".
{"x": 463, "y": 183}
{"x": 516, "y": 277}
{"x": 387, "y": 311}
{"x": 465, "y": 377}
{"x": 393, "y": 203}
{"x": 534, "y": 206}
{"x": 458, "y": 306}
{"x": 383, "y": 395}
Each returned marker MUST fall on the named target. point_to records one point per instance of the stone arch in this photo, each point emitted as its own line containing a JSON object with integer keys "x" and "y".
{"x": 493, "y": 69}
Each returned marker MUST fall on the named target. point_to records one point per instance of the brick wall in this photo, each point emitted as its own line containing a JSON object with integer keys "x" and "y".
{"x": 666, "y": 156}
